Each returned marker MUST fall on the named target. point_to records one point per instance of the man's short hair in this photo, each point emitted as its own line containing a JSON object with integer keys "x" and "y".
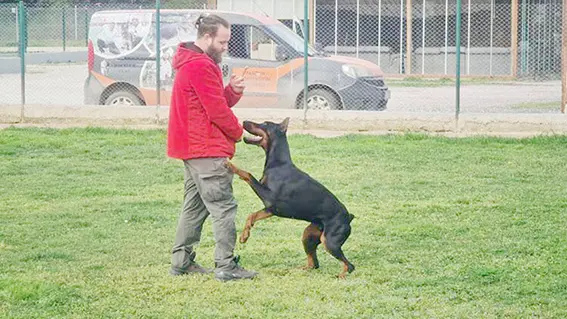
{"x": 209, "y": 24}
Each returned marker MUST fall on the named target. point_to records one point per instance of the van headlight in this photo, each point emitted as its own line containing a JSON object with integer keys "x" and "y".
{"x": 355, "y": 71}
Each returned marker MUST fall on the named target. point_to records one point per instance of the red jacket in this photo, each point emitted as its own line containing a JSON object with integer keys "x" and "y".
{"x": 201, "y": 123}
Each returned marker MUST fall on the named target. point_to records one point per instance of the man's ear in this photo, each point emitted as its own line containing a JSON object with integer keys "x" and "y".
{"x": 284, "y": 124}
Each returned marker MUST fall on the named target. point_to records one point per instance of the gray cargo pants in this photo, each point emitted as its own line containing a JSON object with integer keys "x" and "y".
{"x": 208, "y": 190}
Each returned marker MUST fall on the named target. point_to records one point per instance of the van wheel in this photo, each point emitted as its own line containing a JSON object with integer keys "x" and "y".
{"x": 123, "y": 98}
{"x": 321, "y": 99}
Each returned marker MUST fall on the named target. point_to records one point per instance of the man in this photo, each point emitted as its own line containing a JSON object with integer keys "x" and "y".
{"x": 202, "y": 132}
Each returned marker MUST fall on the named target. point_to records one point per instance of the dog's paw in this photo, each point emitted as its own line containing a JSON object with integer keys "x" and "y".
{"x": 244, "y": 236}
{"x": 230, "y": 166}
{"x": 309, "y": 267}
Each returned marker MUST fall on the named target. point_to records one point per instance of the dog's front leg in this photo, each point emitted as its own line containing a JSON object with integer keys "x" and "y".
{"x": 262, "y": 191}
{"x": 245, "y": 176}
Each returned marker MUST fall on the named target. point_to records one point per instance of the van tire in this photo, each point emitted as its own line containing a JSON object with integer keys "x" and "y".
{"x": 126, "y": 97}
{"x": 321, "y": 99}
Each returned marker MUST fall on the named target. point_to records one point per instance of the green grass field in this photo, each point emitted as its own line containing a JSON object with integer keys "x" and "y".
{"x": 444, "y": 228}
{"x": 542, "y": 106}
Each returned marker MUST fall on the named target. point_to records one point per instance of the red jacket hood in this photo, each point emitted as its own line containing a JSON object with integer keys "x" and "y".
{"x": 184, "y": 54}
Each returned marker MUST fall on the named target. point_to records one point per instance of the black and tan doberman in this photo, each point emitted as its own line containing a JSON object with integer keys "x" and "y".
{"x": 288, "y": 192}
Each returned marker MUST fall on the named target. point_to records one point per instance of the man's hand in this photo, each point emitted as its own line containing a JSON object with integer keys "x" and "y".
{"x": 237, "y": 82}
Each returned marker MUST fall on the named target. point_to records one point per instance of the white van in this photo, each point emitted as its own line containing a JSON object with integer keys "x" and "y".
{"x": 122, "y": 66}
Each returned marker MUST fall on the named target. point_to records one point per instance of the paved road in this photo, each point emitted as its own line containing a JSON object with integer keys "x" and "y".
{"x": 542, "y": 97}
{"x": 46, "y": 84}
{"x": 63, "y": 84}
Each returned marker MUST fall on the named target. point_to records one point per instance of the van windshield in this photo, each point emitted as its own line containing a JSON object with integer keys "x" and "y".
{"x": 291, "y": 37}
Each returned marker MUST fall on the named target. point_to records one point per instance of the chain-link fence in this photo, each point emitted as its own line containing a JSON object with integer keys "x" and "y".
{"x": 9, "y": 33}
{"x": 370, "y": 55}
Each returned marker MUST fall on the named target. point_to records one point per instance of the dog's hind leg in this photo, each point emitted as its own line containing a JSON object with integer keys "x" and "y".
{"x": 311, "y": 239}
{"x": 252, "y": 218}
{"x": 333, "y": 241}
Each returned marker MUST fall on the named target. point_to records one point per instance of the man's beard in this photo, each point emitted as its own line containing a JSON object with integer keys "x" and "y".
{"x": 215, "y": 55}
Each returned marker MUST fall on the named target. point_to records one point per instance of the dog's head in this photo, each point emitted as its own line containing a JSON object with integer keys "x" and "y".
{"x": 266, "y": 133}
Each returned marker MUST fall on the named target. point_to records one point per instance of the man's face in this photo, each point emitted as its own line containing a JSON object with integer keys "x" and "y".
{"x": 219, "y": 44}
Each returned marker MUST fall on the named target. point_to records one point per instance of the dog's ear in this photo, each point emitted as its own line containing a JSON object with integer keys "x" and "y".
{"x": 283, "y": 125}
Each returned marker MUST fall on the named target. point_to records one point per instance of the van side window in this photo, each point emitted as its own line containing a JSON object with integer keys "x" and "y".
{"x": 238, "y": 44}
{"x": 251, "y": 42}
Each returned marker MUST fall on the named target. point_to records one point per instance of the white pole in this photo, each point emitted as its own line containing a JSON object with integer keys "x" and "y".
{"x": 539, "y": 35}
{"x": 446, "y": 31}
{"x": 273, "y": 47}
{"x": 423, "y": 40}
{"x": 336, "y": 23}
{"x": 230, "y": 5}
{"x": 293, "y": 13}
{"x": 379, "y": 30}
{"x": 469, "y": 40}
{"x": 491, "y": 31}
{"x": 314, "y": 22}
{"x": 357, "y": 25}
{"x": 401, "y": 30}
{"x": 528, "y": 32}
{"x": 76, "y": 36}
{"x": 15, "y": 10}
{"x": 295, "y": 31}
{"x": 292, "y": 10}
{"x": 274, "y": 9}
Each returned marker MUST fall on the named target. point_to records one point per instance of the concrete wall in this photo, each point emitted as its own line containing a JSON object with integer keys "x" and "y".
{"x": 349, "y": 121}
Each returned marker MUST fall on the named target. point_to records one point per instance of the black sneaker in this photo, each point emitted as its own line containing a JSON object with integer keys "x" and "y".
{"x": 236, "y": 272}
{"x": 193, "y": 268}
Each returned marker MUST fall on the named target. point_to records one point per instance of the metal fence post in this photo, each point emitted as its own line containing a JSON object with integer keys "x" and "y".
{"x": 22, "y": 49}
{"x": 458, "y": 64}
{"x": 523, "y": 53}
{"x": 564, "y": 58}
{"x": 305, "y": 56}
{"x": 158, "y": 58}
